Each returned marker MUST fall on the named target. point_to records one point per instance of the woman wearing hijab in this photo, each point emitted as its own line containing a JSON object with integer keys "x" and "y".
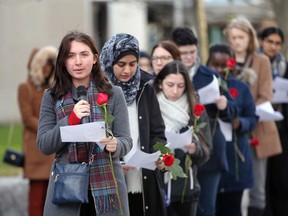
{"x": 119, "y": 59}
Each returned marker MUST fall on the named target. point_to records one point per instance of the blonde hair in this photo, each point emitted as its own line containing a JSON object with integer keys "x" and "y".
{"x": 244, "y": 25}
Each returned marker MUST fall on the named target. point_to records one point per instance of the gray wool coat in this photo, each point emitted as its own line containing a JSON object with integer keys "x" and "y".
{"x": 49, "y": 142}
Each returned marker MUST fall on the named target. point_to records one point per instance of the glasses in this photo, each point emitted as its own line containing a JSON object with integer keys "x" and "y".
{"x": 161, "y": 58}
{"x": 275, "y": 43}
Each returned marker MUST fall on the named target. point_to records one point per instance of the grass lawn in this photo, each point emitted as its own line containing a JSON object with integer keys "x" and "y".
{"x": 16, "y": 143}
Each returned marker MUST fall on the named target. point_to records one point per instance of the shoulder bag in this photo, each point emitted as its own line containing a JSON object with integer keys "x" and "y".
{"x": 11, "y": 156}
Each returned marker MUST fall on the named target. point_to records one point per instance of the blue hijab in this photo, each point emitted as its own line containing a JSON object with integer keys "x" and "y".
{"x": 114, "y": 49}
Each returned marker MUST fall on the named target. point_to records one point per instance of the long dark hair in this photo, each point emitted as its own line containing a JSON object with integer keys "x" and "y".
{"x": 177, "y": 67}
{"x": 271, "y": 30}
{"x": 63, "y": 80}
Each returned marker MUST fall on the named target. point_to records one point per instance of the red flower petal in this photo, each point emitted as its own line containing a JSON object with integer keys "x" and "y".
{"x": 234, "y": 93}
{"x": 231, "y": 63}
{"x": 168, "y": 159}
{"x": 198, "y": 110}
{"x": 102, "y": 99}
{"x": 254, "y": 142}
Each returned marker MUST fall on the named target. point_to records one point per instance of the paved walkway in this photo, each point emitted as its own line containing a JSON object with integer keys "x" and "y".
{"x": 13, "y": 193}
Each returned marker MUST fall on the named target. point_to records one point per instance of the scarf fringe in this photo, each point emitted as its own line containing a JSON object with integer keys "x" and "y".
{"x": 106, "y": 203}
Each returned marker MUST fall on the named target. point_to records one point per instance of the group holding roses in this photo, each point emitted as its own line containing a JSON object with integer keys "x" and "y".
{"x": 137, "y": 115}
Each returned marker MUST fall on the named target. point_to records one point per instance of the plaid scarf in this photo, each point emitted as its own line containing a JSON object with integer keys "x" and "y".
{"x": 102, "y": 185}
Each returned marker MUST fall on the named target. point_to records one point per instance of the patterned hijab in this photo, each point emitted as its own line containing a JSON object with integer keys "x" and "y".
{"x": 115, "y": 48}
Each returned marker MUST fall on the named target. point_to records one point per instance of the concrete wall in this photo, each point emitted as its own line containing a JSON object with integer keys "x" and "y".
{"x": 28, "y": 24}
{"x": 129, "y": 18}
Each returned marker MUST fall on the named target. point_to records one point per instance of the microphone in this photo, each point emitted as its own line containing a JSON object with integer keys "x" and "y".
{"x": 82, "y": 95}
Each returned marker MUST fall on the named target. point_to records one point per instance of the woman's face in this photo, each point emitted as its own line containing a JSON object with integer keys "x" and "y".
{"x": 160, "y": 57}
{"x": 125, "y": 68}
{"x": 173, "y": 86}
{"x": 144, "y": 64}
{"x": 272, "y": 45}
{"x": 239, "y": 40}
{"x": 218, "y": 62}
{"x": 47, "y": 70}
{"x": 79, "y": 63}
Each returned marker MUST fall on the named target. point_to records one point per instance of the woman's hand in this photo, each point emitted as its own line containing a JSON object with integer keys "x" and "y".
{"x": 221, "y": 102}
{"x": 110, "y": 143}
{"x": 236, "y": 123}
{"x": 81, "y": 109}
{"x": 126, "y": 168}
{"x": 191, "y": 148}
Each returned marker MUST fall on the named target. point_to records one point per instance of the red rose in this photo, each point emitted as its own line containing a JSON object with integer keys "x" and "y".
{"x": 198, "y": 110}
{"x": 231, "y": 63}
{"x": 234, "y": 93}
{"x": 168, "y": 159}
{"x": 102, "y": 99}
{"x": 254, "y": 142}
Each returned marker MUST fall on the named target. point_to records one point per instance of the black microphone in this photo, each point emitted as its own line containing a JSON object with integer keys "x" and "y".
{"x": 82, "y": 95}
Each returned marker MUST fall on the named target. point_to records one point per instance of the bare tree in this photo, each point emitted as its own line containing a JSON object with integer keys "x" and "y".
{"x": 202, "y": 29}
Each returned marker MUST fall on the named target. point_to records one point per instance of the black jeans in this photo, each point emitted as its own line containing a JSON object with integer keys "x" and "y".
{"x": 88, "y": 209}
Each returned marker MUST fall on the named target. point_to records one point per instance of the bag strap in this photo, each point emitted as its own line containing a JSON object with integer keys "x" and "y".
{"x": 10, "y": 134}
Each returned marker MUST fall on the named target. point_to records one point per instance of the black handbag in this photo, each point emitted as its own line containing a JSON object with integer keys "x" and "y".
{"x": 13, "y": 157}
{"x": 71, "y": 182}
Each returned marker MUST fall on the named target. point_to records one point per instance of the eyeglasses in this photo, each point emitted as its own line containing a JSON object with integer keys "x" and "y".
{"x": 275, "y": 43}
{"x": 161, "y": 58}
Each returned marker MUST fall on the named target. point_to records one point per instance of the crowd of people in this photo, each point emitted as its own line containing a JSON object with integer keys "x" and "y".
{"x": 149, "y": 96}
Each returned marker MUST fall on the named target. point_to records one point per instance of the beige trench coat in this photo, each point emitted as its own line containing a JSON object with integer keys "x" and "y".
{"x": 265, "y": 132}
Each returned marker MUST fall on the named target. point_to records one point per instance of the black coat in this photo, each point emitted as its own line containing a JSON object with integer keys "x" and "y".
{"x": 151, "y": 130}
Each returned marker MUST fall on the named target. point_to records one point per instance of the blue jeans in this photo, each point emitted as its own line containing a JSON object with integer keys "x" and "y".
{"x": 257, "y": 193}
{"x": 209, "y": 181}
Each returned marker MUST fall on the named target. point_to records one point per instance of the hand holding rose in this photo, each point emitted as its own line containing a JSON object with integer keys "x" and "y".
{"x": 110, "y": 143}
{"x": 221, "y": 102}
{"x": 191, "y": 148}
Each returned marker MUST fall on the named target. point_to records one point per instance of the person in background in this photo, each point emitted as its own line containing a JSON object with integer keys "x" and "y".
{"x": 177, "y": 99}
{"x": 145, "y": 62}
{"x": 239, "y": 155}
{"x": 255, "y": 70}
{"x": 223, "y": 108}
{"x": 37, "y": 166}
{"x": 162, "y": 53}
{"x": 119, "y": 59}
{"x": 78, "y": 65}
{"x": 271, "y": 42}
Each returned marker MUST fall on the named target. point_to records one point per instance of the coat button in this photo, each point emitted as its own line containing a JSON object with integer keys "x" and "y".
{"x": 146, "y": 207}
{"x": 142, "y": 147}
{"x": 145, "y": 177}
{"x": 140, "y": 117}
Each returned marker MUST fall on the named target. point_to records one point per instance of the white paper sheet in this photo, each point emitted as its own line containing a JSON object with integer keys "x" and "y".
{"x": 90, "y": 132}
{"x": 266, "y": 112}
{"x": 226, "y": 129}
{"x": 177, "y": 140}
{"x": 209, "y": 93}
{"x": 138, "y": 158}
{"x": 280, "y": 88}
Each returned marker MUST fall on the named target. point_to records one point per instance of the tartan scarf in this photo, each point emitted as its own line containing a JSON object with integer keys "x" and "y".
{"x": 102, "y": 184}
